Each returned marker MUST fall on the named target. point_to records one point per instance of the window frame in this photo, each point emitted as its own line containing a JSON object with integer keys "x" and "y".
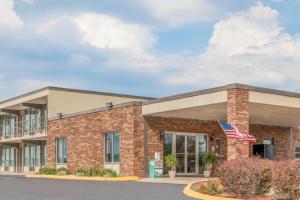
{"x": 220, "y": 146}
{"x": 297, "y": 146}
{"x": 66, "y": 148}
{"x": 112, "y": 147}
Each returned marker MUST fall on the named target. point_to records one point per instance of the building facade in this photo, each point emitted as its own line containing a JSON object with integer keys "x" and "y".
{"x": 75, "y": 129}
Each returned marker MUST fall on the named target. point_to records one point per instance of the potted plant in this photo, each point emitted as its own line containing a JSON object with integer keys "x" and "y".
{"x": 171, "y": 162}
{"x": 210, "y": 159}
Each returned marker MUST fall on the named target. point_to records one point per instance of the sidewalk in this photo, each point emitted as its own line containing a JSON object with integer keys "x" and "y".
{"x": 177, "y": 180}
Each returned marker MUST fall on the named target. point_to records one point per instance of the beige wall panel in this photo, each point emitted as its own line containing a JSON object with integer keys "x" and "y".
{"x": 274, "y": 99}
{"x": 72, "y": 102}
{"x": 188, "y": 102}
{"x": 24, "y": 99}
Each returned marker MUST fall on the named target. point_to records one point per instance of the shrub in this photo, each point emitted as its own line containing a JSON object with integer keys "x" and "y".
{"x": 211, "y": 187}
{"x": 47, "y": 171}
{"x": 286, "y": 180}
{"x": 246, "y": 177}
{"x": 61, "y": 171}
{"x": 94, "y": 171}
{"x": 171, "y": 161}
{"x": 109, "y": 173}
{"x": 52, "y": 171}
{"x": 82, "y": 172}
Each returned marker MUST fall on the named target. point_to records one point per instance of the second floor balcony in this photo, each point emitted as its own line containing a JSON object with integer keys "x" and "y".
{"x": 23, "y": 129}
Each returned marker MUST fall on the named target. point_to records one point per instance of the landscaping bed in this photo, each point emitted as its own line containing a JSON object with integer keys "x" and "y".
{"x": 91, "y": 174}
{"x": 250, "y": 178}
{"x": 212, "y": 190}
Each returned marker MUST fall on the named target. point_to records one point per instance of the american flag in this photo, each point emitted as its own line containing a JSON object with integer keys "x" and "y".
{"x": 232, "y": 132}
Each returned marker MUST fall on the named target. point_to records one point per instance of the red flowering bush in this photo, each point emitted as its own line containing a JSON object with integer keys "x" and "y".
{"x": 246, "y": 177}
{"x": 286, "y": 180}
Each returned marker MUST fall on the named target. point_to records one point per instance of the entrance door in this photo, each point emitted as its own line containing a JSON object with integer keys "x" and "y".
{"x": 190, "y": 154}
{"x": 187, "y": 147}
{"x": 265, "y": 151}
{"x": 185, "y": 151}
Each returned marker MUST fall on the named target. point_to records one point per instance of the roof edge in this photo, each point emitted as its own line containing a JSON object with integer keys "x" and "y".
{"x": 223, "y": 88}
{"x": 74, "y": 90}
{"x": 85, "y": 112}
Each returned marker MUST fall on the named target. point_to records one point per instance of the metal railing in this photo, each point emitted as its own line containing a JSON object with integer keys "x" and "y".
{"x": 23, "y": 128}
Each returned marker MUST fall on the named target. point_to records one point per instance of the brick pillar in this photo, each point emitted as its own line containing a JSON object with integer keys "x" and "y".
{"x": 238, "y": 115}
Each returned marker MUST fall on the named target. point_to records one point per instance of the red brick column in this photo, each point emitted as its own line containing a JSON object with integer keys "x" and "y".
{"x": 238, "y": 115}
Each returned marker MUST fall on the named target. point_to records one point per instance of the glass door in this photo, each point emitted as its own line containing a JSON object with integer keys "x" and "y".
{"x": 185, "y": 150}
{"x": 190, "y": 154}
{"x": 180, "y": 153}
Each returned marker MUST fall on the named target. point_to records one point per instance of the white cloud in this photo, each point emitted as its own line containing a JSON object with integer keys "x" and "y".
{"x": 122, "y": 43}
{"x": 9, "y": 20}
{"x": 107, "y": 32}
{"x": 28, "y": 1}
{"x": 248, "y": 47}
{"x": 181, "y": 12}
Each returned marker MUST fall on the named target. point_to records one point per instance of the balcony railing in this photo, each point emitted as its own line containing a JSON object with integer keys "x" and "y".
{"x": 23, "y": 129}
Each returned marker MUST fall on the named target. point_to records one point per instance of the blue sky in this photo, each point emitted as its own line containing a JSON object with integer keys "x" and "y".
{"x": 152, "y": 48}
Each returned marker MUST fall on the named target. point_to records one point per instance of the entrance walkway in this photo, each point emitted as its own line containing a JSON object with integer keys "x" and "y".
{"x": 177, "y": 180}
{"x": 11, "y": 174}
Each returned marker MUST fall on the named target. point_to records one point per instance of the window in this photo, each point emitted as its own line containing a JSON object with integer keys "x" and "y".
{"x": 8, "y": 156}
{"x": 61, "y": 151}
{"x": 298, "y": 152}
{"x": 217, "y": 146}
{"x": 32, "y": 155}
{"x": 112, "y": 147}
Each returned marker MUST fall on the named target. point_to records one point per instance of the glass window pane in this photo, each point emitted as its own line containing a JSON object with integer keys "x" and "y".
{"x": 62, "y": 151}
{"x": 217, "y": 145}
{"x": 12, "y": 156}
{"x": 44, "y": 154}
{"x": 65, "y": 152}
{"x": 38, "y": 155}
{"x": 116, "y": 146}
{"x": 108, "y": 147}
{"x": 26, "y": 156}
{"x": 180, "y": 143}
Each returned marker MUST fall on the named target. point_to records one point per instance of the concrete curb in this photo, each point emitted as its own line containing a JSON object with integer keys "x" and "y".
{"x": 189, "y": 192}
{"x": 84, "y": 178}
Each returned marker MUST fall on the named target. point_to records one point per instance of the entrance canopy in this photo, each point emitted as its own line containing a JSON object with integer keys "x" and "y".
{"x": 266, "y": 106}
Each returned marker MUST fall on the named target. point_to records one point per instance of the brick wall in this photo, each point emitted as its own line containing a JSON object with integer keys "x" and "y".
{"x": 85, "y": 134}
{"x": 284, "y": 148}
{"x": 296, "y": 139}
{"x": 238, "y": 115}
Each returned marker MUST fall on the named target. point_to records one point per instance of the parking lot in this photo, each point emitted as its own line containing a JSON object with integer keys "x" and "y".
{"x": 20, "y": 188}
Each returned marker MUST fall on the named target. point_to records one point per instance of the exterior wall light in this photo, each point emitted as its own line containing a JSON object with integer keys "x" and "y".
{"x": 59, "y": 115}
{"x": 109, "y": 104}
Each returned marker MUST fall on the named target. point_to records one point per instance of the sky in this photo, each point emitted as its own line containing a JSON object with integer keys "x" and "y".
{"x": 150, "y": 48}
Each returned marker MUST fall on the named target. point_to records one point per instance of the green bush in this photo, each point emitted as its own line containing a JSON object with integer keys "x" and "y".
{"x": 171, "y": 161}
{"x": 109, "y": 173}
{"x": 82, "y": 172}
{"x": 61, "y": 171}
{"x": 47, "y": 171}
{"x": 94, "y": 171}
{"x": 52, "y": 171}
